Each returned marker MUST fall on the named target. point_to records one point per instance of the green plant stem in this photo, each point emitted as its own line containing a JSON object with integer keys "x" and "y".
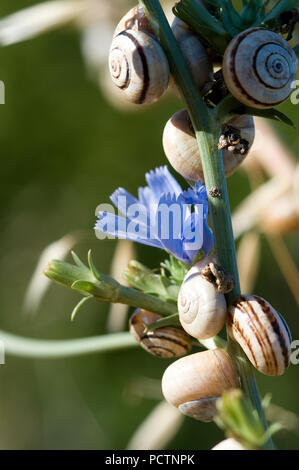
{"x": 135, "y": 298}
{"x": 48, "y": 349}
{"x": 207, "y": 131}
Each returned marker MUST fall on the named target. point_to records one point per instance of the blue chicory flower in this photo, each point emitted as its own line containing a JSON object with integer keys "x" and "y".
{"x": 164, "y": 216}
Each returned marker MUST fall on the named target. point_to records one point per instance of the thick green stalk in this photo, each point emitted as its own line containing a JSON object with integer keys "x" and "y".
{"x": 207, "y": 132}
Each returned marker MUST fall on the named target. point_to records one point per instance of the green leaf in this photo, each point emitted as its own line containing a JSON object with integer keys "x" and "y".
{"x": 149, "y": 282}
{"x": 92, "y": 267}
{"x": 84, "y": 287}
{"x": 271, "y": 113}
{"x": 176, "y": 268}
{"x": 171, "y": 320}
{"x": 77, "y": 260}
{"x": 238, "y": 418}
{"x": 79, "y": 305}
{"x": 230, "y": 106}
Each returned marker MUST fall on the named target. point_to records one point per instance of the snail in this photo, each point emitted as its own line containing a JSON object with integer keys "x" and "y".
{"x": 138, "y": 66}
{"x": 229, "y": 444}
{"x": 135, "y": 19}
{"x": 195, "y": 56}
{"x": 259, "y": 67}
{"x": 201, "y": 304}
{"x": 163, "y": 342}
{"x": 261, "y": 332}
{"x": 181, "y": 149}
{"x": 194, "y": 383}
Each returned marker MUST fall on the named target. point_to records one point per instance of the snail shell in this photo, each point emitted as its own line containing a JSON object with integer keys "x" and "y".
{"x": 259, "y": 67}
{"x": 229, "y": 444}
{"x": 204, "y": 410}
{"x": 194, "y": 54}
{"x": 135, "y": 19}
{"x": 196, "y": 378}
{"x": 138, "y": 66}
{"x": 201, "y": 307}
{"x": 261, "y": 332}
{"x": 181, "y": 149}
{"x": 163, "y": 342}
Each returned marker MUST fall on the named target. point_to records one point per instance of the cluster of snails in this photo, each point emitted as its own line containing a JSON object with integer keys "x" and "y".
{"x": 195, "y": 382}
{"x": 258, "y": 69}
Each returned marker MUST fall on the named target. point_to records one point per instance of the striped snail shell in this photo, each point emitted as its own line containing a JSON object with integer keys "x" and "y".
{"x": 138, "y": 66}
{"x": 201, "y": 307}
{"x": 163, "y": 342}
{"x": 135, "y": 19}
{"x": 261, "y": 332}
{"x": 259, "y": 67}
{"x": 181, "y": 149}
{"x": 194, "y": 54}
{"x": 195, "y": 382}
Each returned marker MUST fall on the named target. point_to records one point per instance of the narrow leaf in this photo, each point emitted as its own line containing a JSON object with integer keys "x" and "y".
{"x": 79, "y": 305}
{"x": 171, "y": 320}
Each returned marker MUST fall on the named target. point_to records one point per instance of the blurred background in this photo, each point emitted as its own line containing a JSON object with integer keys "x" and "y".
{"x": 64, "y": 149}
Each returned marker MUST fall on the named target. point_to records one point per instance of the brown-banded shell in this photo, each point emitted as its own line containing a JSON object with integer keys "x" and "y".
{"x": 261, "y": 332}
{"x": 163, "y": 342}
{"x": 135, "y": 19}
{"x": 203, "y": 375}
{"x": 201, "y": 307}
{"x": 181, "y": 148}
{"x": 138, "y": 66}
{"x": 259, "y": 68}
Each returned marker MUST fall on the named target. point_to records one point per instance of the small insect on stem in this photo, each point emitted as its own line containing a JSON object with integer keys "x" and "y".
{"x": 215, "y": 192}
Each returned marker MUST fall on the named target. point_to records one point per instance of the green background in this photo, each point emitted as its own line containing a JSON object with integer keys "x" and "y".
{"x": 64, "y": 149}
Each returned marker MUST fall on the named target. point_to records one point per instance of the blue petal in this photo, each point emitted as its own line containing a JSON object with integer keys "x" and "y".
{"x": 120, "y": 227}
{"x": 121, "y": 198}
{"x": 147, "y": 197}
{"x": 131, "y": 207}
{"x": 198, "y": 196}
{"x": 161, "y": 181}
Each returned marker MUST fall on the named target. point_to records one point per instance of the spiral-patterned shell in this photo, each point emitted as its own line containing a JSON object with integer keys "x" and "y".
{"x": 163, "y": 342}
{"x": 259, "y": 67}
{"x": 138, "y": 66}
{"x": 181, "y": 148}
{"x": 202, "y": 309}
{"x": 261, "y": 332}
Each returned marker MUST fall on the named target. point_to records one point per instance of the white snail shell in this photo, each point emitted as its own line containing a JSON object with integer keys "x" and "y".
{"x": 162, "y": 342}
{"x": 181, "y": 149}
{"x": 138, "y": 66}
{"x": 229, "y": 444}
{"x": 194, "y": 54}
{"x": 259, "y": 67}
{"x": 135, "y": 19}
{"x": 261, "y": 332}
{"x": 204, "y": 410}
{"x": 197, "y": 377}
{"x": 202, "y": 309}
